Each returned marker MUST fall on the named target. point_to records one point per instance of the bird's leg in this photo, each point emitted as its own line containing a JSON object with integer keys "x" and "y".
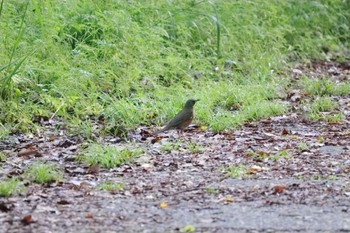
{"x": 180, "y": 132}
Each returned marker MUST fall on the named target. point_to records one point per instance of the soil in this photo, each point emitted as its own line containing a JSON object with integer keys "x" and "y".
{"x": 288, "y": 174}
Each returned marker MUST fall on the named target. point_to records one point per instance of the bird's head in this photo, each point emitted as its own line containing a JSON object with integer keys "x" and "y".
{"x": 190, "y": 103}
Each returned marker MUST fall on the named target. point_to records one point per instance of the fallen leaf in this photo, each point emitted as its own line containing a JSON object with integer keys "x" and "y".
{"x": 26, "y": 220}
{"x": 285, "y": 132}
{"x": 254, "y": 169}
{"x": 156, "y": 139}
{"x": 136, "y": 190}
{"x": 279, "y": 189}
{"x": 163, "y": 205}
{"x": 228, "y": 199}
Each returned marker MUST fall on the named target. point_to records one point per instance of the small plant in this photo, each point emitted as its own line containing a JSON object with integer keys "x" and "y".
{"x": 10, "y": 187}
{"x": 322, "y": 104}
{"x": 303, "y": 146}
{"x": 43, "y": 173}
{"x": 168, "y": 147}
{"x": 322, "y": 108}
{"x": 238, "y": 171}
{"x": 110, "y": 186}
{"x": 4, "y": 131}
{"x": 319, "y": 87}
{"x": 282, "y": 154}
{"x": 211, "y": 190}
{"x": 263, "y": 109}
{"x": 106, "y": 156}
{"x": 3, "y": 157}
{"x": 335, "y": 118}
{"x": 257, "y": 155}
{"x": 194, "y": 148}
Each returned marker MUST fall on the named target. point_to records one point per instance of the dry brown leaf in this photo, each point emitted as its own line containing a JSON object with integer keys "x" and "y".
{"x": 285, "y": 132}
{"x": 279, "y": 189}
{"x": 26, "y": 220}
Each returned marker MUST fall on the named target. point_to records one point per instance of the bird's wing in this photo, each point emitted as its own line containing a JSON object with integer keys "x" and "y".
{"x": 182, "y": 116}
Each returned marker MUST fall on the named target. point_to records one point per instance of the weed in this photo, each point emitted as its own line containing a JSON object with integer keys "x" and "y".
{"x": 323, "y": 104}
{"x": 324, "y": 87}
{"x": 282, "y": 154}
{"x": 334, "y": 118}
{"x": 238, "y": 171}
{"x": 10, "y": 187}
{"x": 211, "y": 190}
{"x": 194, "y": 148}
{"x": 169, "y": 146}
{"x": 110, "y": 186}
{"x": 106, "y": 156}
{"x": 3, "y": 157}
{"x": 302, "y": 146}
{"x": 43, "y": 173}
{"x": 319, "y": 87}
{"x": 322, "y": 108}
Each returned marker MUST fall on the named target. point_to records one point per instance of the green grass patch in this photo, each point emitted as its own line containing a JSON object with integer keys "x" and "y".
{"x": 110, "y": 186}
{"x": 283, "y": 154}
{"x": 43, "y": 173}
{"x": 302, "y": 146}
{"x": 238, "y": 171}
{"x": 324, "y": 108}
{"x": 325, "y": 87}
{"x": 124, "y": 64}
{"x": 322, "y": 104}
{"x": 3, "y": 157}
{"x": 170, "y": 146}
{"x": 107, "y": 156}
{"x": 194, "y": 148}
{"x": 10, "y": 187}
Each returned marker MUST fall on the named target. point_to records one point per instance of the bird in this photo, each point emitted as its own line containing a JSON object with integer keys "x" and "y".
{"x": 182, "y": 119}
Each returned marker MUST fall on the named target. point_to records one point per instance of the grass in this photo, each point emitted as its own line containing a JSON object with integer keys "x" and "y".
{"x": 325, "y": 87}
{"x": 10, "y": 187}
{"x": 194, "y": 148}
{"x": 125, "y": 64}
{"x": 281, "y": 155}
{"x": 238, "y": 171}
{"x": 170, "y": 146}
{"x": 264, "y": 156}
{"x": 107, "y": 156}
{"x": 3, "y": 157}
{"x": 110, "y": 186}
{"x": 302, "y": 146}
{"x": 43, "y": 173}
{"x": 324, "y": 108}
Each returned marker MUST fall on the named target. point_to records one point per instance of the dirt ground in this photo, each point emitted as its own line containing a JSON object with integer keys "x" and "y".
{"x": 292, "y": 175}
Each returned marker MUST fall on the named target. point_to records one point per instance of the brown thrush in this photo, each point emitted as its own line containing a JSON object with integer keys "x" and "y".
{"x": 182, "y": 119}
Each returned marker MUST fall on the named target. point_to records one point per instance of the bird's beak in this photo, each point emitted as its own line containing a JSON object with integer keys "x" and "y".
{"x": 197, "y": 100}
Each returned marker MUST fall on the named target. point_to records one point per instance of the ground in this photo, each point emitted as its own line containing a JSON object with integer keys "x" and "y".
{"x": 282, "y": 174}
